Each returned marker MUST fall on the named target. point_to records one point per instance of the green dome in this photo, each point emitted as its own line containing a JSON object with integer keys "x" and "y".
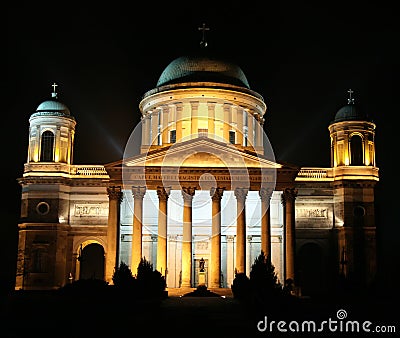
{"x": 52, "y": 107}
{"x": 202, "y": 69}
{"x": 350, "y": 112}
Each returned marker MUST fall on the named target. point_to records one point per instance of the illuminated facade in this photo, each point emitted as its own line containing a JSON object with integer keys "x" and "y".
{"x": 198, "y": 180}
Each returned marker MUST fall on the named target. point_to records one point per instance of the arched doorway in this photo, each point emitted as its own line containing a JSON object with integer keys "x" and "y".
{"x": 311, "y": 270}
{"x": 91, "y": 259}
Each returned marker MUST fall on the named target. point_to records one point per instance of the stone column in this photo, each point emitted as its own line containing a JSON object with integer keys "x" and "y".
{"x": 187, "y": 194}
{"x": 250, "y": 129}
{"x": 211, "y": 119}
{"x": 260, "y": 132}
{"x": 216, "y": 195}
{"x": 178, "y": 114}
{"x": 240, "y": 127}
{"x": 155, "y": 119}
{"x": 230, "y": 259}
{"x": 164, "y": 128}
{"x": 58, "y": 156}
{"x": 288, "y": 201}
{"x": 265, "y": 196}
{"x": 163, "y": 194}
{"x": 144, "y": 126}
{"x": 227, "y": 121}
{"x": 113, "y": 231}
{"x": 241, "y": 194}
{"x": 138, "y": 194}
{"x": 194, "y": 118}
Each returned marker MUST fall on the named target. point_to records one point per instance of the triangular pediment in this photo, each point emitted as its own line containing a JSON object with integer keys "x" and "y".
{"x": 200, "y": 152}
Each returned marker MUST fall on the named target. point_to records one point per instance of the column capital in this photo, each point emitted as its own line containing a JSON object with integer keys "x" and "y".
{"x": 289, "y": 194}
{"x": 230, "y": 238}
{"x": 265, "y": 194}
{"x": 194, "y": 104}
{"x": 241, "y": 193}
{"x": 115, "y": 193}
{"x": 216, "y": 193}
{"x": 188, "y": 193}
{"x": 163, "y": 192}
{"x": 138, "y": 191}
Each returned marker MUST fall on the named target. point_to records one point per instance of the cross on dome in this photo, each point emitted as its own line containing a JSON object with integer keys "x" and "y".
{"x": 203, "y": 42}
{"x": 350, "y": 100}
{"x": 54, "y": 93}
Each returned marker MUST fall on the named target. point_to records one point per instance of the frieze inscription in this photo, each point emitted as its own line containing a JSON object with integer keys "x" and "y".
{"x": 90, "y": 210}
{"x": 311, "y": 212}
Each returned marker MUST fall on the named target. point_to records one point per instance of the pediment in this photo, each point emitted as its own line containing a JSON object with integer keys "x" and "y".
{"x": 200, "y": 152}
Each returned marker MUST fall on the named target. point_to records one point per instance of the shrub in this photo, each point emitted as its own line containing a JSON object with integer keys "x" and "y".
{"x": 241, "y": 286}
{"x": 123, "y": 277}
{"x": 262, "y": 287}
{"x": 150, "y": 282}
{"x": 264, "y": 281}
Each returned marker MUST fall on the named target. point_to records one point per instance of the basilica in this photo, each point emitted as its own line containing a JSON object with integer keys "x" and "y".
{"x": 198, "y": 192}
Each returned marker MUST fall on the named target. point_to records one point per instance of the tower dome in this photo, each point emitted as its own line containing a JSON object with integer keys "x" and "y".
{"x": 350, "y": 112}
{"x": 202, "y": 68}
{"x": 52, "y": 107}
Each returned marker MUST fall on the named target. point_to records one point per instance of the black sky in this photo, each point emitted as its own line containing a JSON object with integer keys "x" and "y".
{"x": 301, "y": 57}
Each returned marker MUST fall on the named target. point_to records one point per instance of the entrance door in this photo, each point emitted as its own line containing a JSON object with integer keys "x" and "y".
{"x": 311, "y": 270}
{"x": 92, "y": 262}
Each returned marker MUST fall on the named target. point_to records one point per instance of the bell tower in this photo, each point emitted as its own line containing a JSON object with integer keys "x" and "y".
{"x": 51, "y": 132}
{"x": 44, "y": 220}
{"x": 355, "y": 173}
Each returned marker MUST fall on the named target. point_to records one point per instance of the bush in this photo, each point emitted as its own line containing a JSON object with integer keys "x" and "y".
{"x": 122, "y": 277}
{"x": 241, "y": 286}
{"x": 264, "y": 280}
{"x": 262, "y": 287}
{"x": 85, "y": 287}
{"x": 151, "y": 283}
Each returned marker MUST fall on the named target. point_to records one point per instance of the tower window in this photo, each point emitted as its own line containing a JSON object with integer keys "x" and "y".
{"x": 232, "y": 137}
{"x": 356, "y": 150}
{"x": 47, "y": 147}
{"x": 172, "y": 136}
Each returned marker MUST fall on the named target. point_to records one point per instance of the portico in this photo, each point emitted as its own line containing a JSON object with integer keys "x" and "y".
{"x": 144, "y": 174}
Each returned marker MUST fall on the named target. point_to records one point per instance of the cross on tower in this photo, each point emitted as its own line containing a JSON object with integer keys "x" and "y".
{"x": 54, "y": 93}
{"x": 350, "y": 99}
{"x": 203, "y": 41}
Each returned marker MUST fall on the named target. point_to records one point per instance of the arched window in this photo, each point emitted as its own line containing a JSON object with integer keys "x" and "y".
{"x": 356, "y": 150}
{"x": 47, "y": 147}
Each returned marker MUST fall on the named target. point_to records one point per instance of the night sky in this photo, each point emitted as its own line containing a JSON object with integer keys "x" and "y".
{"x": 302, "y": 58}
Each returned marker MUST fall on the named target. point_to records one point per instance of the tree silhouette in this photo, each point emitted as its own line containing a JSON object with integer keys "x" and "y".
{"x": 150, "y": 281}
{"x": 262, "y": 287}
{"x": 123, "y": 276}
{"x": 264, "y": 281}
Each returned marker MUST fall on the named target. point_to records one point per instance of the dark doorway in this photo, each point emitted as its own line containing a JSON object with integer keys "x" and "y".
{"x": 311, "y": 270}
{"x": 92, "y": 262}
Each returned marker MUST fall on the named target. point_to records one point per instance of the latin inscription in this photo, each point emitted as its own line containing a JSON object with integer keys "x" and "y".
{"x": 90, "y": 210}
{"x": 311, "y": 212}
{"x": 196, "y": 178}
